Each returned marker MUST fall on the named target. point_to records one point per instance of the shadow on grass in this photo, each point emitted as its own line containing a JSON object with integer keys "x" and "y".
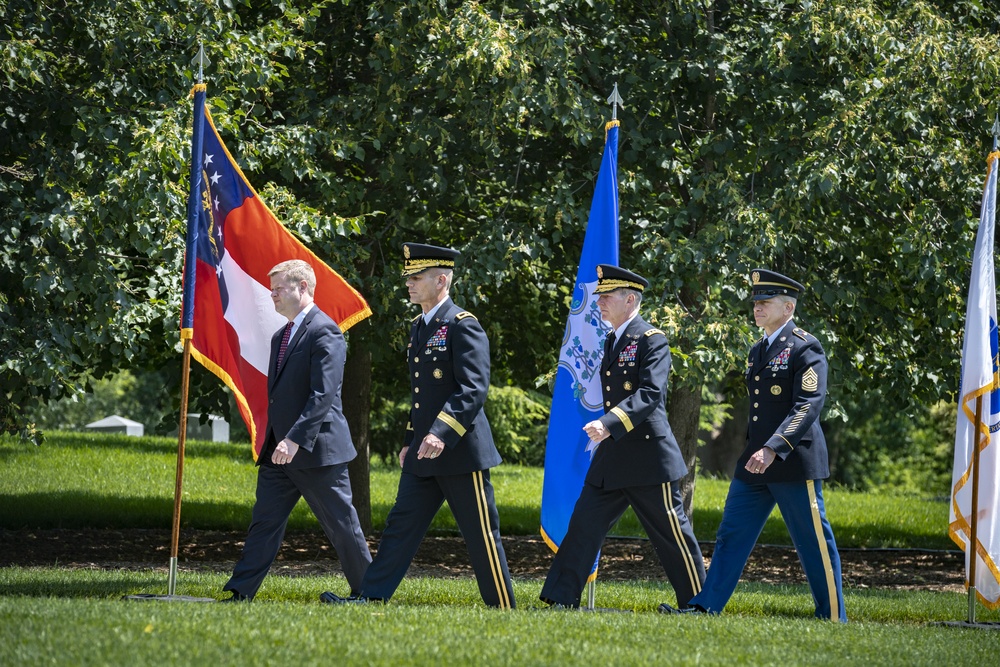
{"x": 79, "y": 509}
{"x": 28, "y": 582}
{"x": 235, "y": 451}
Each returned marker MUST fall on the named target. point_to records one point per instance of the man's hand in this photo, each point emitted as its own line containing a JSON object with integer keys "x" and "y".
{"x": 761, "y": 460}
{"x": 430, "y": 447}
{"x": 284, "y": 452}
{"x": 596, "y": 431}
{"x": 402, "y": 455}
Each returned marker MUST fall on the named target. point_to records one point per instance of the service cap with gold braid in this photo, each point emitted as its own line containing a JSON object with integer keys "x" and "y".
{"x": 610, "y": 278}
{"x": 768, "y": 284}
{"x": 420, "y": 257}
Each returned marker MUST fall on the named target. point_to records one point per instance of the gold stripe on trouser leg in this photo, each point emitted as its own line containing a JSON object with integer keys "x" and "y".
{"x": 824, "y": 551}
{"x": 491, "y": 546}
{"x": 675, "y": 527}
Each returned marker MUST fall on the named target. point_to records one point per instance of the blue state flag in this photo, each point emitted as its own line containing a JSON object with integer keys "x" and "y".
{"x": 577, "y": 398}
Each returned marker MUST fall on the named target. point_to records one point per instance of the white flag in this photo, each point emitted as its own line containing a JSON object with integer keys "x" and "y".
{"x": 980, "y": 379}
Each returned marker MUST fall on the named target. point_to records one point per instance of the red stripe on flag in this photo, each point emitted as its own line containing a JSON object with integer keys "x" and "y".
{"x": 257, "y": 242}
{"x": 216, "y": 346}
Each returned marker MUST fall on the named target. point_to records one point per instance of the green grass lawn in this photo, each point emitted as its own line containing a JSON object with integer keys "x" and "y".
{"x": 85, "y": 480}
{"x": 50, "y": 616}
{"x": 76, "y": 617}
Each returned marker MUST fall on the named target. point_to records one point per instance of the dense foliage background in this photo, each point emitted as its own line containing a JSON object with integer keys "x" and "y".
{"x": 840, "y": 141}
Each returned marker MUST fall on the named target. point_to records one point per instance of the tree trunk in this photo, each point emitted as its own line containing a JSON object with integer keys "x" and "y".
{"x": 719, "y": 454}
{"x": 357, "y": 409}
{"x": 684, "y": 412}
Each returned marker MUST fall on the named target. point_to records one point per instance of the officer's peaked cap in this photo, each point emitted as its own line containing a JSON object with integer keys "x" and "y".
{"x": 419, "y": 257}
{"x": 768, "y": 284}
{"x": 610, "y": 278}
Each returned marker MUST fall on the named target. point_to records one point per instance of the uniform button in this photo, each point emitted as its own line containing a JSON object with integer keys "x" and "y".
{"x": 416, "y": 390}
{"x": 647, "y": 437}
{"x": 755, "y": 417}
{"x": 416, "y": 360}
{"x": 756, "y": 378}
{"x": 607, "y": 403}
{"x": 756, "y": 391}
{"x": 416, "y": 375}
{"x": 756, "y": 405}
{"x": 609, "y": 372}
{"x": 417, "y": 406}
{"x": 607, "y": 389}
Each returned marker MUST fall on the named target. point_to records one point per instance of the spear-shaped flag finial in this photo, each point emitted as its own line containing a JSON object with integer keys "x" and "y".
{"x": 201, "y": 60}
{"x": 615, "y": 101}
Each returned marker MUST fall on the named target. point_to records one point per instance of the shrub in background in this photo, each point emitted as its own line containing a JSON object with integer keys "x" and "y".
{"x": 518, "y": 418}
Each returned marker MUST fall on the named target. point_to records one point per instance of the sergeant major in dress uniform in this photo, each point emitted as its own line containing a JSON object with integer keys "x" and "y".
{"x": 637, "y": 461}
{"x": 785, "y": 459}
{"x": 448, "y": 447}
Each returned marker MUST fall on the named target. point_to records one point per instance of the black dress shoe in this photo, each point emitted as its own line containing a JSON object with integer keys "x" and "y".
{"x": 693, "y": 609}
{"x": 332, "y": 598}
{"x": 237, "y": 597}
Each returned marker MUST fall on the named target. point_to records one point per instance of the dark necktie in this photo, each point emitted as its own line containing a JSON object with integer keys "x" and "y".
{"x": 611, "y": 342}
{"x": 761, "y": 352}
{"x": 284, "y": 345}
{"x": 420, "y": 327}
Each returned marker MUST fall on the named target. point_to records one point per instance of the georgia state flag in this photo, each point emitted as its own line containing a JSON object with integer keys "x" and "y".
{"x": 236, "y": 241}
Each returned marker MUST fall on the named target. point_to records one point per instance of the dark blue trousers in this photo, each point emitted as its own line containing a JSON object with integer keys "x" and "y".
{"x": 660, "y": 509}
{"x": 470, "y": 498}
{"x": 746, "y": 511}
{"x": 327, "y": 490}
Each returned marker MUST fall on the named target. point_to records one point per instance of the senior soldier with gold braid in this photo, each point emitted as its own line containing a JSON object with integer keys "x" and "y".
{"x": 636, "y": 462}
{"x": 785, "y": 459}
{"x": 448, "y": 447}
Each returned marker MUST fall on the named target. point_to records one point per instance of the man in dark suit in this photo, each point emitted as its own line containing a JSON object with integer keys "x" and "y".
{"x": 307, "y": 445}
{"x": 448, "y": 447}
{"x": 636, "y": 462}
{"x": 785, "y": 459}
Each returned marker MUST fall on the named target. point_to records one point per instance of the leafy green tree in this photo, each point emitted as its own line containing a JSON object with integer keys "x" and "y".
{"x": 841, "y": 142}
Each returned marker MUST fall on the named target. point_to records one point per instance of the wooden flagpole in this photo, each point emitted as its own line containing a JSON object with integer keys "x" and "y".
{"x": 974, "y": 519}
{"x": 179, "y": 477}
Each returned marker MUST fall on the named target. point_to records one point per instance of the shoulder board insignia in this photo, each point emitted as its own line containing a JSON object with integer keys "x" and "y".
{"x": 801, "y": 333}
{"x": 653, "y": 332}
{"x": 417, "y": 317}
{"x": 462, "y": 315}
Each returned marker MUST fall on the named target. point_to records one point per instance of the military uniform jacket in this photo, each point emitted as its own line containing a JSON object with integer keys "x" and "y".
{"x": 449, "y": 362}
{"x": 642, "y": 449}
{"x": 303, "y": 396}
{"x": 787, "y": 389}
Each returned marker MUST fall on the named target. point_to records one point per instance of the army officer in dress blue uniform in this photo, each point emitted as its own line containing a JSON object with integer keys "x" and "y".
{"x": 785, "y": 457}
{"x": 637, "y": 461}
{"x": 448, "y": 447}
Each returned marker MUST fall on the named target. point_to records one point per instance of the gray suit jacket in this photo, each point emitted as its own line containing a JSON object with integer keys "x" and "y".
{"x": 304, "y": 402}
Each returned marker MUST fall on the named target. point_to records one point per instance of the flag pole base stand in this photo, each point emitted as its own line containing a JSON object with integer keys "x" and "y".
{"x": 171, "y": 588}
{"x": 147, "y": 597}
{"x": 979, "y": 625}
